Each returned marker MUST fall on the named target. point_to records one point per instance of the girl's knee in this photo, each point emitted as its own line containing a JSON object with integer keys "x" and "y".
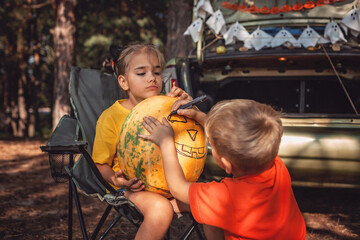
{"x": 153, "y": 206}
{"x": 160, "y": 210}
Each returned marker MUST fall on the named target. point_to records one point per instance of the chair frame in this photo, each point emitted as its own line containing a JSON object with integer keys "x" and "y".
{"x": 73, "y": 193}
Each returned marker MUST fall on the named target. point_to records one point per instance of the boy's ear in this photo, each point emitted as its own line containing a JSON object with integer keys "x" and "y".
{"x": 123, "y": 83}
{"x": 227, "y": 164}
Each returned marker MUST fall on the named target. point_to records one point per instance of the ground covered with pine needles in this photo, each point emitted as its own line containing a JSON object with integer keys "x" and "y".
{"x": 33, "y": 206}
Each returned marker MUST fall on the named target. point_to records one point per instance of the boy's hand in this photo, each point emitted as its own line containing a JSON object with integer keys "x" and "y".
{"x": 179, "y": 93}
{"x": 133, "y": 184}
{"x": 192, "y": 113}
{"x": 159, "y": 133}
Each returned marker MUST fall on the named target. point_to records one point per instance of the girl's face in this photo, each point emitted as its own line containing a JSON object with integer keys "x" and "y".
{"x": 143, "y": 77}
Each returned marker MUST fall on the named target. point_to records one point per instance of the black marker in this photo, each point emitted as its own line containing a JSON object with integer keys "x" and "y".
{"x": 194, "y": 102}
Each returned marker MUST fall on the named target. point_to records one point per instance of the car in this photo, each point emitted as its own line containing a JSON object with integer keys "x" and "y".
{"x": 316, "y": 87}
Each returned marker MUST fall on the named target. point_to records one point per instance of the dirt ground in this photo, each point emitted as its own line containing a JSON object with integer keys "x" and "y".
{"x": 32, "y": 206}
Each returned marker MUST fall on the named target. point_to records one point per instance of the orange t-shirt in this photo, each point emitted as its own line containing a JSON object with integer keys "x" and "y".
{"x": 259, "y": 206}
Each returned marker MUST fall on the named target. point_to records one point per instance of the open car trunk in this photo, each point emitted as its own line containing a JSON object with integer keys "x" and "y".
{"x": 317, "y": 89}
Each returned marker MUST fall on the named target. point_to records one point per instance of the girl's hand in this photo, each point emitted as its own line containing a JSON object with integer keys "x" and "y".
{"x": 133, "y": 184}
{"x": 159, "y": 133}
{"x": 179, "y": 93}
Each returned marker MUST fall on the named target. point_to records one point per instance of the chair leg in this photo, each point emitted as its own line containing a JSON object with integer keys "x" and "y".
{"x": 70, "y": 207}
{"x": 188, "y": 231}
{"x": 79, "y": 211}
{"x": 101, "y": 222}
{"x": 70, "y": 211}
{"x": 199, "y": 233}
{"x": 111, "y": 226}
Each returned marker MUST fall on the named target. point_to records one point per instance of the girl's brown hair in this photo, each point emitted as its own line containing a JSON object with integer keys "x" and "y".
{"x": 248, "y": 133}
{"x": 122, "y": 62}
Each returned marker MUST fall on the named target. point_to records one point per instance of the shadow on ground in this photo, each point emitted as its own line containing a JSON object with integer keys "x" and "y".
{"x": 34, "y": 207}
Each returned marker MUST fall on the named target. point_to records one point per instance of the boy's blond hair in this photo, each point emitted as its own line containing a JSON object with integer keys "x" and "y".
{"x": 248, "y": 133}
{"x": 122, "y": 63}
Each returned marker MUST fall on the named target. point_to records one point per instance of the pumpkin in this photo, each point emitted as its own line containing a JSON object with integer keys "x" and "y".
{"x": 320, "y": 3}
{"x": 142, "y": 158}
{"x": 226, "y": 4}
{"x": 286, "y": 8}
{"x": 297, "y": 7}
{"x": 275, "y": 10}
{"x": 309, "y": 4}
{"x": 253, "y": 9}
{"x": 264, "y": 10}
{"x": 234, "y": 7}
{"x": 243, "y": 8}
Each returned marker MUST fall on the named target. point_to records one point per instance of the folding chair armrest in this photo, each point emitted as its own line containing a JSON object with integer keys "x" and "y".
{"x": 94, "y": 168}
{"x": 63, "y": 140}
{"x": 64, "y": 149}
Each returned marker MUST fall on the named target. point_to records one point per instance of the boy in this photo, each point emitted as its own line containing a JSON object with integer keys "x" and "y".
{"x": 258, "y": 201}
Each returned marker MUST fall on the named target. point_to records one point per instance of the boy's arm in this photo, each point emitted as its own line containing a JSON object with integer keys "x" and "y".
{"x": 163, "y": 136}
{"x": 174, "y": 174}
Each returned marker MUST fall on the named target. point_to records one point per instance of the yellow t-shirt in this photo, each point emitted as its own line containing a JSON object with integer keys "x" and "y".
{"x": 108, "y": 128}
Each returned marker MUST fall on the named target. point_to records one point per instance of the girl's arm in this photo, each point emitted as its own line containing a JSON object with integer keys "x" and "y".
{"x": 163, "y": 136}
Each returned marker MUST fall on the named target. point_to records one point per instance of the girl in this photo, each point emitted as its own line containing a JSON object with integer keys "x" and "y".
{"x": 138, "y": 70}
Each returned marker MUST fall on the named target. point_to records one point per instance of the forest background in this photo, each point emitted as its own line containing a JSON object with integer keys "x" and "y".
{"x": 41, "y": 39}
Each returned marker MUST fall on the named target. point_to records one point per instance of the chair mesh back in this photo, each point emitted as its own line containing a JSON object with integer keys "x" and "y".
{"x": 91, "y": 92}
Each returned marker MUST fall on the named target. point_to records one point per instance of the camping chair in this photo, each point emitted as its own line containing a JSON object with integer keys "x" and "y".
{"x": 91, "y": 92}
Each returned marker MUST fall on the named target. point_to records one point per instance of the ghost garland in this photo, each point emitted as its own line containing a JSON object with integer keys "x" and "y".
{"x": 259, "y": 39}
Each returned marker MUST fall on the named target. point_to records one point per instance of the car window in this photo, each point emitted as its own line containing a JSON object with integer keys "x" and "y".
{"x": 295, "y": 94}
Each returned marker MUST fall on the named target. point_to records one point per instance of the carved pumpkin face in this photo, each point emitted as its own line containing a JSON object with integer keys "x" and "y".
{"x": 142, "y": 159}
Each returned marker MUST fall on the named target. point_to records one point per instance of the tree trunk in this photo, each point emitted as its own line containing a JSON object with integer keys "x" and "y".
{"x": 179, "y": 18}
{"x": 20, "y": 112}
{"x": 64, "y": 46}
{"x": 23, "y": 113}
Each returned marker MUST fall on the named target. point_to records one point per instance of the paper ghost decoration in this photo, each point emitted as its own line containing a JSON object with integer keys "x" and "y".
{"x": 351, "y": 21}
{"x": 194, "y": 29}
{"x": 259, "y": 39}
{"x": 203, "y": 7}
{"x": 284, "y": 37}
{"x": 309, "y": 37}
{"x": 323, "y": 40}
{"x": 247, "y": 43}
{"x": 236, "y": 31}
{"x": 333, "y": 32}
{"x": 217, "y": 22}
